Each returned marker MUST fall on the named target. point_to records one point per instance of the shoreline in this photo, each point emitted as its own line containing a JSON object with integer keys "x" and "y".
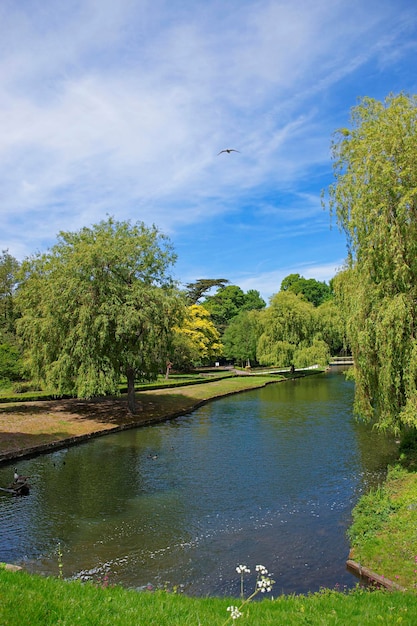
{"x": 31, "y": 428}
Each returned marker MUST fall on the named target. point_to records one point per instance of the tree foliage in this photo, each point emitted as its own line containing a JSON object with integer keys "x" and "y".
{"x": 330, "y": 327}
{"x": 313, "y": 290}
{"x": 229, "y": 301}
{"x": 196, "y": 341}
{"x": 9, "y": 268}
{"x": 195, "y": 291}
{"x": 98, "y": 306}
{"x": 241, "y": 337}
{"x": 290, "y": 332}
{"x": 374, "y": 197}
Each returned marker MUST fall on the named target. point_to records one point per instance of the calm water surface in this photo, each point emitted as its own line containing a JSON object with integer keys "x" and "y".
{"x": 268, "y": 476}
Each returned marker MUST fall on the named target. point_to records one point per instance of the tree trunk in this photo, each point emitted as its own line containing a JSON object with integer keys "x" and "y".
{"x": 131, "y": 398}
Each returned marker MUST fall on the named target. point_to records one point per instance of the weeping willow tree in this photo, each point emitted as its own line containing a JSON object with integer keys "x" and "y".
{"x": 374, "y": 198}
{"x": 100, "y": 305}
{"x": 289, "y": 333}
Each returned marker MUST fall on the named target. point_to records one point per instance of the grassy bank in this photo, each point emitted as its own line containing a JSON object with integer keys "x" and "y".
{"x": 35, "y": 601}
{"x": 383, "y": 535}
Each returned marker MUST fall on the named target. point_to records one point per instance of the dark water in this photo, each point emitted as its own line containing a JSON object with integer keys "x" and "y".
{"x": 264, "y": 477}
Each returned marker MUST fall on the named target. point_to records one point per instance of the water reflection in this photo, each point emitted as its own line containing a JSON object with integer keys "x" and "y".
{"x": 268, "y": 476}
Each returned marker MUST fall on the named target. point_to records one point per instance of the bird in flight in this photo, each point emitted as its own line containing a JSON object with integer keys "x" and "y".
{"x": 228, "y": 150}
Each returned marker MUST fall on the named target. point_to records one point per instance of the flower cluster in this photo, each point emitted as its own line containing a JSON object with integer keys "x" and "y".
{"x": 263, "y": 583}
{"x": 234, "y": 612}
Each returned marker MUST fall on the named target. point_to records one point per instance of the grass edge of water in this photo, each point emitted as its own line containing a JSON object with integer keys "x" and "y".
{"x": 39, "y": 601}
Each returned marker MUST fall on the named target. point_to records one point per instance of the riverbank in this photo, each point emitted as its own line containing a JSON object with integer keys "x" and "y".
{"x": 383, "y": 533}
{"x": 38, "y": 601}
{"x": 34, "y": 427}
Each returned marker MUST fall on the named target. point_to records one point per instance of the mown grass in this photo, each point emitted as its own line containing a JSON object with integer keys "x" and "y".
{"x": 27, "y": 600}
{"x": 26, "y": 391}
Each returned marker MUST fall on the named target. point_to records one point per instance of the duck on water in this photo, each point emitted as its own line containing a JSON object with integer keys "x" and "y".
{"x": 19, "y": 486}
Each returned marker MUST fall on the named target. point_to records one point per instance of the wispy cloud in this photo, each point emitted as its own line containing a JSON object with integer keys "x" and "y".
{"x": 121, "y": 108}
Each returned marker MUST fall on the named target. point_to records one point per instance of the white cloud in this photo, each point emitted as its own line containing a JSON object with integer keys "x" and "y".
{"x": 121, "y": 108}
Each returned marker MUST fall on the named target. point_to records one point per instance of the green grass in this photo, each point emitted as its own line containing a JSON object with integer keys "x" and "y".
{"x": 37, "y": 601}
{"x": 25, "y": 392}
{"x": 18, "y": 393}
{"x": 384, "y": 531}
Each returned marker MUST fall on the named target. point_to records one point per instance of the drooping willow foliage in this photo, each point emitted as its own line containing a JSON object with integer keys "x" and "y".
{"x": 374, "y": 198}
{"x": 100, "y": 305}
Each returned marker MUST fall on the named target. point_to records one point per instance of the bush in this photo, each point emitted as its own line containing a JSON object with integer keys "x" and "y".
{"x": 24, "y": 387}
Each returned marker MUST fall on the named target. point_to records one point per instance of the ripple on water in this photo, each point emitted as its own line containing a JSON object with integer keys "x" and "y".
{"x": 268, "y": 476}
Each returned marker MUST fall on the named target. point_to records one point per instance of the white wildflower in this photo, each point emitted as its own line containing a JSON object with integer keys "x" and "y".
{"x": 243, "y": 569}
{"x": 262, "y": 570}
{"x": 265, "y": 584}
{"x": 234, "y": 612}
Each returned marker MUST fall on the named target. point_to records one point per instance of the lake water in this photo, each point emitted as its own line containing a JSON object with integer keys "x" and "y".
{"x": 263, "y": 477}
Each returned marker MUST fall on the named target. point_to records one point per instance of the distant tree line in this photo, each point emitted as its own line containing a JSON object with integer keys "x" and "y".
{"x": 101, "y": 307}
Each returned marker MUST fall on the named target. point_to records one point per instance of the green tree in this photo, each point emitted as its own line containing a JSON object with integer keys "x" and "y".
{"x": 253, "y": 301}
{"x": 196, "y": 341}
{"x": 289, "y": 324}
{"x": 11, "y": 366}
{"x": 9, "y": 268}
{"x": 313, "y": 290}
{"x": 374, "y": 197}
{"x": 317, "y": 353}
{"x": 98, "y": 306}
{"x": 331, "y": 326}
{"x": 241, "y": 337}
{"x": 10, "y": 362}
{"x": 195, "y": 291}
{"x": 228, "y": 301}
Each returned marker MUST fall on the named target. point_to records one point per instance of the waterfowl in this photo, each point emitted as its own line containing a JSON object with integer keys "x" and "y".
{"x": 18, "y": 478}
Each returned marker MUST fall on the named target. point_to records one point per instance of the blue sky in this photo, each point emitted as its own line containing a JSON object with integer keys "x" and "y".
{"x": 121, "y": 107}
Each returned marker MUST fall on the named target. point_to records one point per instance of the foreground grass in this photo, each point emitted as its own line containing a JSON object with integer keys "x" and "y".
{"x": 27, "y": 600}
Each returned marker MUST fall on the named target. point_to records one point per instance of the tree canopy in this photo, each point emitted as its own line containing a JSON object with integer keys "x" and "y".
{"x": 228, "y": 301}
{"x": 313, "y": 290}
{"x": 374, "y": 198}
{"x": 290, "y": 333}
{"x": 196, "y": 341}
{"x": 196, "y": 290}
{"x": 241, "y": 337}
{"x": 99, "y": 305}
{"x": 9, "y": 268}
